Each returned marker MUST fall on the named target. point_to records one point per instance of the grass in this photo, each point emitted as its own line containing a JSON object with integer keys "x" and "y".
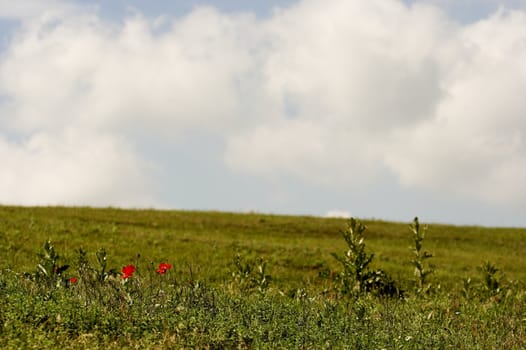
{"x": 296, "y": 248}
{"x": 205, "y": 301}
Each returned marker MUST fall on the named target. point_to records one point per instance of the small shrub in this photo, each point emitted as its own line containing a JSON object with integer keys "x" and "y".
{"x": 381, "y": 284}
{"x": 249, "y": 275}
{"x": 49, "y": 273}
{"x": 419, "y": 258}
{"x": 490, "y": 281}
{"x": 355, "y": 261}
{"x": 356, "y": 276}
{"x": 490, "y": 285}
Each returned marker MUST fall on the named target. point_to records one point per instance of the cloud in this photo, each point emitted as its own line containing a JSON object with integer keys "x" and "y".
{"x": 190, "y": 76}
{"x": 313, "y": 151}
{"x": 338, "y": 214}
{"x": 404, "y": 88}
{"x": 339, "y": 94}
{"x": 341, "y": 86}
{"x": 73, "y": 167}
{"x": 475, "y": 142}
{"x": 113, "y": 86}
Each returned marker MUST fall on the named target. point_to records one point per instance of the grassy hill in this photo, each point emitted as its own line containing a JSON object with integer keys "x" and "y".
{"x": 251, "y": 281}
{"x": 297, "y": 249}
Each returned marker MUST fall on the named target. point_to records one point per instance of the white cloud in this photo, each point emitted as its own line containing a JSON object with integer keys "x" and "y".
{"x": 81, "y": 70}
{"x": 338, "y": 214}
{"x": 73, "y": 167}
{"x": 314, "y": 151}
{"x": 337, "y": 94}
{"x": 347, "y": 73}
{"x": 475, "y": 142}
{"x": 81, "y": 73}
{"x": 400, "y": 87}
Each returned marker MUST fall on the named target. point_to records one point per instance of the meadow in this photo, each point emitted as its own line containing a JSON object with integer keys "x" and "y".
{"x": 255, "y": 281}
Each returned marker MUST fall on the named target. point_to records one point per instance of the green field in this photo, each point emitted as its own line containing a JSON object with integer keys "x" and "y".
{"x": 211, "y": 303}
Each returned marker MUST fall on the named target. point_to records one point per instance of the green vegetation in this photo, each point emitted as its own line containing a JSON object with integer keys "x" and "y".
{"x": 111, "y": 278}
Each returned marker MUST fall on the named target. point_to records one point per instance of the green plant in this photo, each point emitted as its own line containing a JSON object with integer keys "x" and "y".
{"x": 381, "y": 284}
{"x": 250, "y": 275}
{"x": 96, "y": 283}
{"x": 489, "y": 286}
{"x": 356, "y": 260}
{"x": 422, "y": 270}
{"x": 490, "y": 283}
{"x": 356, "y": 276}
{"x": 48, "y": 271}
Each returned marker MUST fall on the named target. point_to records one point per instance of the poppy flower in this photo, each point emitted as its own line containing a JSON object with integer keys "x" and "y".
{"x": 73, "y": 280}
{"x": 127, "y": 271}
{"x": 163, "y": 267}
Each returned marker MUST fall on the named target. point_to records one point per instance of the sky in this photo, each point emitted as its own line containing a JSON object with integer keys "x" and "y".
{"x": 384, "y": 109}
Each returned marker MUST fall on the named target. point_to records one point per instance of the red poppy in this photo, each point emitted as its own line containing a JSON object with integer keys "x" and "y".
{"x": 127, "y": 271}
{"x": 73, "y": 280}
{"x": 163, "y": 267}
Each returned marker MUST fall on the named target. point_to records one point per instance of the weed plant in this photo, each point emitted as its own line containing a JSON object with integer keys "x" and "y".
{"x": 356, "y": 277}
{"x": 420, "y": 257}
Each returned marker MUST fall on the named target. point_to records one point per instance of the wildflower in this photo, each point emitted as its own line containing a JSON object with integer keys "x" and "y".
{"x": 73, "y": 280}
{"x": 127, "y": 271}
{"x": 163, "y": 267}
